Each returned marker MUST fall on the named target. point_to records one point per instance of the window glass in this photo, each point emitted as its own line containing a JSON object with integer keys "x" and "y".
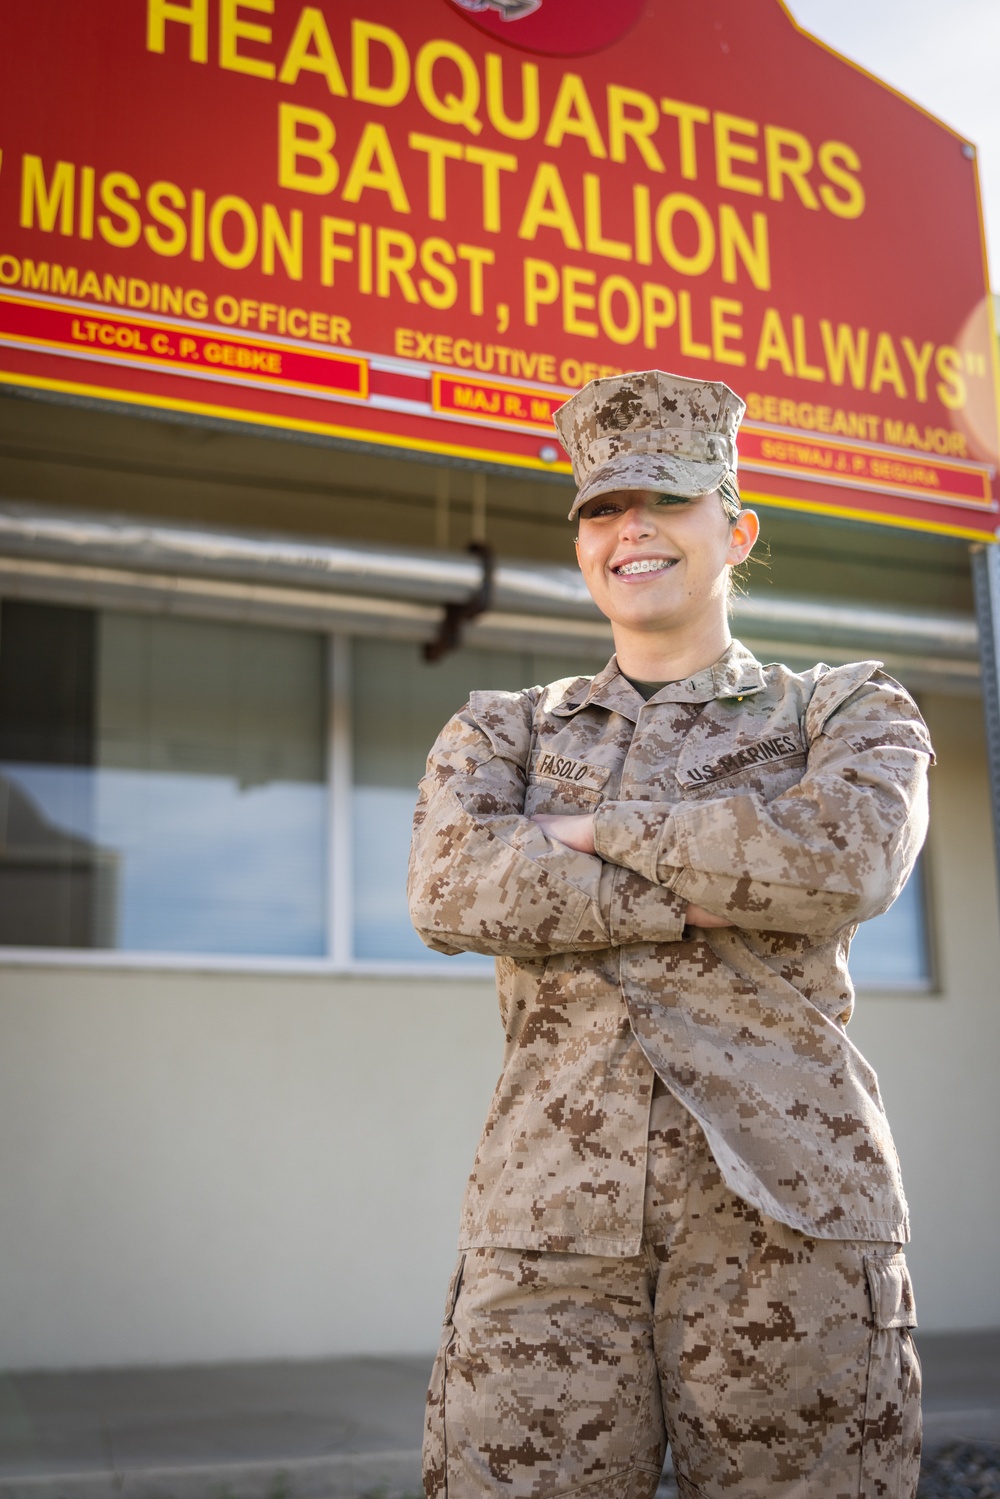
{"x": 891, "y": 951}
{"x": 401, "y": 704}
{"x": 162, "y": 784}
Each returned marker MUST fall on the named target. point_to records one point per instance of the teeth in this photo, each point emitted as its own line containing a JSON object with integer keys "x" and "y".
{"x": 647, "y": 565}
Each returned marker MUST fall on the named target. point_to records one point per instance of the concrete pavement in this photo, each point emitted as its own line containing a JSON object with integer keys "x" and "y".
{"x": 331, "y": 1429}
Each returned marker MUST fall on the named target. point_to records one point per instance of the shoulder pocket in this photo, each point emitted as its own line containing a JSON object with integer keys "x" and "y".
{"x": 505, "y": 719}
{"x": 832, "y": 690}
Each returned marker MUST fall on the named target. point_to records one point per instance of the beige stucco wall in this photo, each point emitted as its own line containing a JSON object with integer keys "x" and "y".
{"x": 936, "y": 1055}
{"x": 217, "y": 1166}
{"x": 202, "y": 1167}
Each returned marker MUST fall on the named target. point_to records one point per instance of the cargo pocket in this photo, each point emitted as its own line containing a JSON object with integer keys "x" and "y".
{"x": 435, "y": 1451}
{"x": 890, "y": 1452}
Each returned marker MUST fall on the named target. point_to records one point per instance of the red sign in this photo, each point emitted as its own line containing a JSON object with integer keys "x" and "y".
{"x": 424, "y": 225}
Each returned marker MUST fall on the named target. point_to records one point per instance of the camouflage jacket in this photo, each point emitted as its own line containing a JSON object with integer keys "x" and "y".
{"x": 793, "y": 804}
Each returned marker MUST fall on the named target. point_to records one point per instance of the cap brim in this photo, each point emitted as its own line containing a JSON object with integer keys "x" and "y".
{"x": 664, "y": 472}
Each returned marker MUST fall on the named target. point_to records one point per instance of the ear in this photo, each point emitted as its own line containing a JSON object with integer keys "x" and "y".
{"x": 746, "y": 529}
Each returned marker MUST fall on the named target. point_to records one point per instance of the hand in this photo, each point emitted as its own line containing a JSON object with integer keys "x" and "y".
{"x": 698, "y": 916}
{"x": 574, "y": 830}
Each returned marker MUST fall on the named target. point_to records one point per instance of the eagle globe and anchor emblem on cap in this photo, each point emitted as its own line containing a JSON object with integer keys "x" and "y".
{"x": 555, "y": 28}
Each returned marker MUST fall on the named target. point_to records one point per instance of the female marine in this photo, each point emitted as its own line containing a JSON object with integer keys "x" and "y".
{"x": 685, "y": 1218}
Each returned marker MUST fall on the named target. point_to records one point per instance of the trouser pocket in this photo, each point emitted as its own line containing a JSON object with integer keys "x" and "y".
{"x": 435, "y": 1451}
{"x": 890, "y": 1454}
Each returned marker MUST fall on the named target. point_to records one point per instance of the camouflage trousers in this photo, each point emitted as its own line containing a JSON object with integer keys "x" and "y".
{"x": 776, "y": 1365}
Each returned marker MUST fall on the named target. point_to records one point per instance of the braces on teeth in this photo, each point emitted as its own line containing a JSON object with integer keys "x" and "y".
{"x": 651, "y": 565}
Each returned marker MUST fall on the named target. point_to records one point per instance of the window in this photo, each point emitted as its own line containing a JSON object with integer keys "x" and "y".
{"x": 892, "y": 951}
{"x": 166, "y": 787}
{"x": 399, "y": 707}
{"x": 162, "y": 784}
{"x": 173, "y": 786}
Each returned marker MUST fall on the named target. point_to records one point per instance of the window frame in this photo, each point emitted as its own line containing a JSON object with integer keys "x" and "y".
{"x": 339, "y": 960}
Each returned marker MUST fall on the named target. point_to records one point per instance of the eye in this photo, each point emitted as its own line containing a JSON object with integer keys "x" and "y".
{"x": 594, "y": 509}
{"x": 672, "y": 499}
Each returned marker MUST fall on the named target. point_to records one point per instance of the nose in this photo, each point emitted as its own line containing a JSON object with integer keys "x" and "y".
{"x": 636, "y": 522}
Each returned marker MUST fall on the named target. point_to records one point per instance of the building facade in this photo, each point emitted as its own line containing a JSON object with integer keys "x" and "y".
{"x": 238, "y": 1099}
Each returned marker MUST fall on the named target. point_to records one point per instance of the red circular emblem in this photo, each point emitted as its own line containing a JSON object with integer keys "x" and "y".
{"x": 558, "y": 28}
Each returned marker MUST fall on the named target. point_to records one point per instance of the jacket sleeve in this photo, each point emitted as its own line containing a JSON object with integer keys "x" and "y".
{"x": 834, "y": 849}
{"x": 484, "y": 878}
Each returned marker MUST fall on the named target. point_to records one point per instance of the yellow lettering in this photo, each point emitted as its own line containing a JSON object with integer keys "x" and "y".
{"x": 452, "y": 109}
{"x": 232, "y": 28}
{"x": 194, "y": 16}
{"x": 294, "y": 148}
{"x": 330, "y": 251}
{"x": 919, "y": 364}
{"x": 234, "y": 260}
{"x": 735, "y": 242}
{"x": 395, "y": 256}
{"x": 620, "y": 286}
{"x": 803, "y": 368}
{"x": 439, "y": 285}
{"x": 438, "y": 152}
{"x": 311, "y": 32}
{"x": 623, "y": 127}
{"x": 287, "y": 243}
{"x": 845, "y": 350}
{"x": 951, "y": 389}
{"x": 548, "y": 207}
{"x": 688, "y": 345}
{"x": 574, "y": 300}
{"x": 722, "y": 310}
{"x": 643, "y": 216}
{"x": 198, "y": 223}
{"x": 527, "y": 126}
{"x": 727, "y": 151}
{"x": 687, "y": 265}
{"x": 158, "y": 197}
{"x": 64, "y": 281}
{"x": 839, "y": 163}
{"x": 773, "y": 344}
{"x": 86, "y": 203}
{"x": 659, "y": 310}
{"x": 573, "y": 114}
{"x": 885, "y": 367}
{"x": 374, "y": 166}
{"x": 363, "y": 34}
{"x": 491, "y": 164}
{"x": 794, "y": 166}
{"x": 49, "y": 201}
{"x": 476, "y": 258}
{"x": 541, "y": 288}
{"x": 112, "y": 184}
{"x": 687, "y": 117}
{"x": 614, "y": 249}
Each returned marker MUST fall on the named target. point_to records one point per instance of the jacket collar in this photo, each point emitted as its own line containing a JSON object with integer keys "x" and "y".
{"x": 736, "y": 674}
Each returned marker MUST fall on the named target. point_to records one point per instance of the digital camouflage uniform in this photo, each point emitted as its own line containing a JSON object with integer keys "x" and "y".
{"x": 686, "y": 1205}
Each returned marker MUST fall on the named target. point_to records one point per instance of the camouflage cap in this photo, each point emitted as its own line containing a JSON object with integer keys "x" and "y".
{"x": 650, "y": 430}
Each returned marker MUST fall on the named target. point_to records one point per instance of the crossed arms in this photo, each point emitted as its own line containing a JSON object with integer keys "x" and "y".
{"x": 833, "y": 850}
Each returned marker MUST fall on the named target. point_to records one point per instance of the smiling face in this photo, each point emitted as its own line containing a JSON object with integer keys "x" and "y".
{"x": 658, "y": 567}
